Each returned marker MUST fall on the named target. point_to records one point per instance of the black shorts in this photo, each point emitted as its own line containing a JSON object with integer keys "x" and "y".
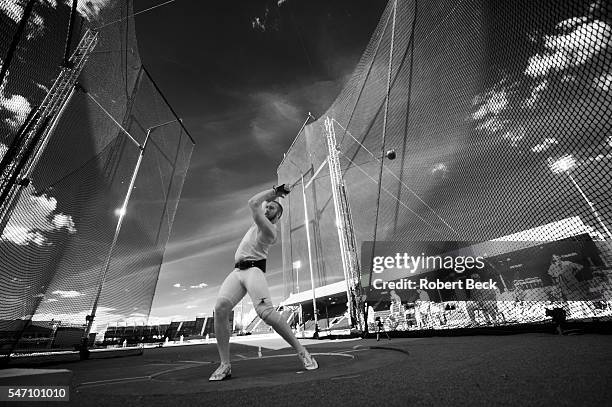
{"x": 247, "y": 264}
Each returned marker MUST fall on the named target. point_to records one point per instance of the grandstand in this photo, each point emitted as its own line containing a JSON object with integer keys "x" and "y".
{"x": 523, "y": 296}
{"x": 200, "y": 328}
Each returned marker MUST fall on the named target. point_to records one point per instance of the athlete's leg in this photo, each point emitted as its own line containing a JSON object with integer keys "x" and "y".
{"x": 230, "y": 294}
{"x": 257, "y": 287}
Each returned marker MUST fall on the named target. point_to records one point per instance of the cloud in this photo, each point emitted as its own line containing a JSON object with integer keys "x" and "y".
{"x": 34, "y": 215}
{"x": 12, "y": 9}
{"x": 604, "y": 81}
{"x": 42, "y": 87}
{"x": 264, "y": 23}
{"x": 490, "y": 106}
{"x": 508, "y": 111}
{"x": 440, "y": 171}
{"x": 535, "y": 94}
{"x": 186, "y": 251}
{"x": 490, "y": 103}
{"x": 191, "y": 307}
{"x": 572, "y": 23}
{"x": 90, "y": 9}
{"x": 545, "y": 145}
{"x": 201, "y": 285}
{"x": 570, "y": 50}
{"x": 67, "y": 294}
{"x": 276, "y": 120}
{"x": 37, "y": 25}
{"x": 493, "y": 124}
{"x": 63, "y": 221}
{"x": 19, "y": 108}
{"x": 22, "y": 236}
{"x": 514, "y": 136}
{"x": 177, "y": 285}
{"x": 258, "y": 25}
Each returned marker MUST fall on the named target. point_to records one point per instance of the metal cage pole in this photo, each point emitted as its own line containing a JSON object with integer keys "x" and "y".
{"x": 344, "y": 226}
{"x": 84, "y": 351}
{"x": 312, "y": 281}
{"x": 306, "y": 226}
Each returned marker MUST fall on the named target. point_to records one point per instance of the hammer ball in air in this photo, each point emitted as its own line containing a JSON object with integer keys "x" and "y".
{"x": 390, "y": 154}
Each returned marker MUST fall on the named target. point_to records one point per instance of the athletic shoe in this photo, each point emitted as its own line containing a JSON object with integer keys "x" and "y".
{"x": 222, "y": 372}
{"x": 308, "y": 361}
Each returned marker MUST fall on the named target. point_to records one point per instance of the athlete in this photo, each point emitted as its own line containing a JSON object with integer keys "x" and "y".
{"x": 248, "y": 277}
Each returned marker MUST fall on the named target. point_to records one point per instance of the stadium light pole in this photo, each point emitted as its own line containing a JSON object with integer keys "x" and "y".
{"x": 84, "y": 350}
{"x": 564, "y": 165}
{"x": 242, "y": 315}
{"x": 296, "y": 265}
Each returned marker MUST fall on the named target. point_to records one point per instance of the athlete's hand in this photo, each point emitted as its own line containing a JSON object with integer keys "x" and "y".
{"x": 282, "y": 190}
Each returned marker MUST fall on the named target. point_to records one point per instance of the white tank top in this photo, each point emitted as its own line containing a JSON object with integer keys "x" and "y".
{"x": 253, "y": 246}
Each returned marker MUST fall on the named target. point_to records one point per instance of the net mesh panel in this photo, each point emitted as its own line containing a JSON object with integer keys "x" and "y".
{"x": 132, "y": 278}
{"x": 487, "y": 102}
{"x": 32, "y": 69}
{"x": 56, "y": 244}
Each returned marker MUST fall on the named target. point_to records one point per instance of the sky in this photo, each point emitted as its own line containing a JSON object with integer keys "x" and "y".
{"x": 243, "y": 77}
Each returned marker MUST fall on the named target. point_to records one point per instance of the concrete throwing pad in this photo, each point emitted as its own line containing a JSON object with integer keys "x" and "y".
{"x": 192, "y": 377}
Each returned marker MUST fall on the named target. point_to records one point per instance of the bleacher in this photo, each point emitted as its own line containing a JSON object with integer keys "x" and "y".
{"x": 258, "y": 326}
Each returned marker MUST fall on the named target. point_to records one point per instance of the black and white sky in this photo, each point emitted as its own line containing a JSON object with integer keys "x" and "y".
{"x": 243, "y": 76}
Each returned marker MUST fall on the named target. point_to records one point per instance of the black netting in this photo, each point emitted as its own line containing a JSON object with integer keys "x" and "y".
{"x": 499, "y": 117}
{"x": 75, "y": 240}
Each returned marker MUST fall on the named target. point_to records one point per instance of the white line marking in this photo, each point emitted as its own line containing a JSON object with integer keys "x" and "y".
{"x": 294, "y": 355}
{"x": 113, "y": 381}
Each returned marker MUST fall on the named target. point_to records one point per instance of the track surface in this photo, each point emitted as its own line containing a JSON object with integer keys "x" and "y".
{"x": 515, "y": 370}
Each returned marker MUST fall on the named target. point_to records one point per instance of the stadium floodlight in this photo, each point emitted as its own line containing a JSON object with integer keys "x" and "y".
{"x": 564, "y": 165}
{"x": 296, "y": 266}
